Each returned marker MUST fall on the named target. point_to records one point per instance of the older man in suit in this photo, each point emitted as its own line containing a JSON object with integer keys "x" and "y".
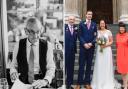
{"x": 33, "y": 57}
{"x": 87, "y": 37}
{"x": 70, "y": 49}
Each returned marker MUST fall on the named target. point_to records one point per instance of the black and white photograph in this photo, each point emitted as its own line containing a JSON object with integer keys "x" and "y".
{"x": 31, "y": 37}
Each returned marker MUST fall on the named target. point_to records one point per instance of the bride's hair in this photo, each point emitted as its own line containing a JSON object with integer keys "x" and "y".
{"x": 105, "y": 24}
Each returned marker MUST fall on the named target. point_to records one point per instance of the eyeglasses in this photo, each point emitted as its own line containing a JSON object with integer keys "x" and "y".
{"x": 31, "y": 31}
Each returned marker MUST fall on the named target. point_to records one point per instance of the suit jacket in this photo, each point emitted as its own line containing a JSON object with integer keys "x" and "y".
{"x": 70, "y": 39}
{"x": 87, "y": 35}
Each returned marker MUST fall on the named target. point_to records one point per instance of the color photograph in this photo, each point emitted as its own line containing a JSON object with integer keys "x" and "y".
{"x": 96, "y": 44}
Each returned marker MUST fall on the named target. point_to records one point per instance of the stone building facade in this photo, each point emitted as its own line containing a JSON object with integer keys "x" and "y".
{"x": 111, "y": 10}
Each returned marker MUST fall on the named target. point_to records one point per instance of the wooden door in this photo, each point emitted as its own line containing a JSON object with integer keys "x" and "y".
{"x": 102, "y": 9}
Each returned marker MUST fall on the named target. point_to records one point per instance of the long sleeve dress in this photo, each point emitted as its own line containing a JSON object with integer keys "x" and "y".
{"x": 122, "y": 52}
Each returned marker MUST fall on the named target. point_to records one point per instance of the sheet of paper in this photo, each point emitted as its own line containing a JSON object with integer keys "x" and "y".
{"x": 20, "y": 85}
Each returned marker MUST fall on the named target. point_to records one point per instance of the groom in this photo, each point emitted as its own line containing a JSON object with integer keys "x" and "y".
{"x": 87, "y": 37}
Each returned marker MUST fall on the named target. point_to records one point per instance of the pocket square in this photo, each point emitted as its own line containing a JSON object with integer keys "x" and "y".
{"x": 95, "y": 34}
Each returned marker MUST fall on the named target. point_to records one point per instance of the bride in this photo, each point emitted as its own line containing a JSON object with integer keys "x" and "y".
{"x": 103, "y": 76}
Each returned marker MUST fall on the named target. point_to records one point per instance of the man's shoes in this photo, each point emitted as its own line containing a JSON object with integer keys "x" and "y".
{"x": 88, "y": 87}
{"x": 77, "y": 87}
{"x": 69, "y": 87}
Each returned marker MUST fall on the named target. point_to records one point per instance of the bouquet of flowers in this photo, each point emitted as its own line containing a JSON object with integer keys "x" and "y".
{"x": 101, "y": 41}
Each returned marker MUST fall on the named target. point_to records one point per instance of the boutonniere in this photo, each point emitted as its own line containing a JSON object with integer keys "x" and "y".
{"x": 95, "y": 33}
{"x": 85, "y": 22}
{"x": 76, "y": 28}
{"x": 67, "y": 29}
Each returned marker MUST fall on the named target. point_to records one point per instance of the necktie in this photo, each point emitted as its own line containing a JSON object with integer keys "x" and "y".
{"x": 31, "y": 65}
{"x": 88, "y": 25}
{"x": 71, "y": 30}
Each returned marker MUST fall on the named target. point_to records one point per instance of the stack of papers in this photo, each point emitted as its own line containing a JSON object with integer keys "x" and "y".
{"x": 20, "y": 85}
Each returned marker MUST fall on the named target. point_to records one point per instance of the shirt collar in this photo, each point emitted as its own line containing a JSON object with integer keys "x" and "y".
{"x": 29, "y": 44}
{"x": 87, "y": 20}
{"x": 69, "y": 25}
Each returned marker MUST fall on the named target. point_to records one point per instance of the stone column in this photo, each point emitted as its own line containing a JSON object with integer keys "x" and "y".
{"x": 115, "y": 11}
{"x": 82, "y": 5}
{"x": 124, "y": 11}
{"x": 4, "y": 35}
{"x": 71, "y": 8}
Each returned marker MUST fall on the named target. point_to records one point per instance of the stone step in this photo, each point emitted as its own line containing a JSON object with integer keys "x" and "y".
{"x": 77, "y": 57}
{"x": 77, "y": 54}
{"x": 113, "y": 44}
{"x": 113, "y": 47}
{"x": 117, "y": 77}
{"x": 77, "y": 63}
{"x": 76, "y": 67}
{"x": 113, "y": 50}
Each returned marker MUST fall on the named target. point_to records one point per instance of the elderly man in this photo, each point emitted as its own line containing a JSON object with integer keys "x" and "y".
{"x": 70, "y": 49}
{"x": 33, "y": 57}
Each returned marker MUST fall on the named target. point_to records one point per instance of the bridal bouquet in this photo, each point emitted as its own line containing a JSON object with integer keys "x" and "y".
{"x": 101, "y": 41}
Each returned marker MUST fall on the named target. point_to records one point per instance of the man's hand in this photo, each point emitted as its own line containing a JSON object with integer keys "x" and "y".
{"x": 90, "y": 44}
{"x": 86, "y": 46}
{"x": 40, "y": 83}
{"x": 14, "y": 76}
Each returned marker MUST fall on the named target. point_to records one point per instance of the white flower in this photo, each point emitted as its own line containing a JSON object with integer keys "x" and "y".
{"x": 85, "y": 22}
{"x": 75, "y": 28}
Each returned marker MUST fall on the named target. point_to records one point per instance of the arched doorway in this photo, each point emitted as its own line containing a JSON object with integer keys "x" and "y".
{"x": 102, "y": 9}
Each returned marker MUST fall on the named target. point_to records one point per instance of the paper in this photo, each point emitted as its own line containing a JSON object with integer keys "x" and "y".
{"x": 20, "y": 85}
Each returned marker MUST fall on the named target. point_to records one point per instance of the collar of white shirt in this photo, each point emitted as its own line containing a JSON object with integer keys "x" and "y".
{"x": 88, "y": 20}
{"x": 69, "y": 26}
{"x": 29, "y": 43}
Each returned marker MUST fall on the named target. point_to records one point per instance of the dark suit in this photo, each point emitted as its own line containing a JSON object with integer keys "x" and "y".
{"x": 70, "y": 50}
{"x": 86, "y": 55}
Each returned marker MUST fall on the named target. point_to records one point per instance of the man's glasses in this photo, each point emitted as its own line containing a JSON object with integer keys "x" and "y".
{"x": 31, "y": 31}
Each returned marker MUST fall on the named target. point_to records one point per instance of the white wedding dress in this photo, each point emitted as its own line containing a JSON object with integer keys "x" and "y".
{"x": 103, "y": 75}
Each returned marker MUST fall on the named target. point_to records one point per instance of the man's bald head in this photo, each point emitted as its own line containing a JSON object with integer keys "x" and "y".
{"x": 71, "y": 20}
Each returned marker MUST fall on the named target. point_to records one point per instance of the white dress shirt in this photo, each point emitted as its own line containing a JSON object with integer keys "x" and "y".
{"x": 70, "y": 28}
{"x": 50, "y": 73}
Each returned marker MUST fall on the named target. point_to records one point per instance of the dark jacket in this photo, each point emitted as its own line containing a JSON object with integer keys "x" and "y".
{"x": 22, "y": 59}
